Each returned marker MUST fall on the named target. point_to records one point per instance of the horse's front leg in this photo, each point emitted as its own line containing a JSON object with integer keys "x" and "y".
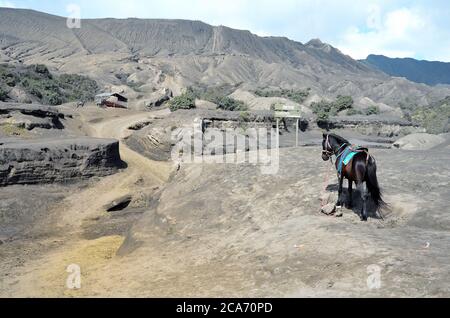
{"x": 341, "y": 181}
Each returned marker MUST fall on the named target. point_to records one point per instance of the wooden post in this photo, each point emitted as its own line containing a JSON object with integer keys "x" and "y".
{"x": 286, "y": 111}
{"x": 278, "y": 133}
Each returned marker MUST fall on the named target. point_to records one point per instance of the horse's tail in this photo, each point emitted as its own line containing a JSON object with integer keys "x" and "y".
{"x": 373, "y": 186}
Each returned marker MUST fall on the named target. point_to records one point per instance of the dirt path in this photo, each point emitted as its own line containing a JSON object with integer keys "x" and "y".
{"x": 140, "y": 170}
{"x": 45, "y": 276}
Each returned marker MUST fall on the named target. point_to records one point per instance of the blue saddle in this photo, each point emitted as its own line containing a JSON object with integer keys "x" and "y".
{"x": 346, "y": 156}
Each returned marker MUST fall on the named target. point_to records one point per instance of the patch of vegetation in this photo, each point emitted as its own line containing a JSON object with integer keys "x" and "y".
{"x": 228, "y": 103}
{"x": 244, "y": 119}
{"x": 12, "y": 130}
{"x": 215, "y": 94}
{"x": 298, "y": 96}
{"x": 372, "y": 110}
{"x": 135, "y": 86}
{"x": 353, "y": 112}
{"x": 41, "y": 69}
{"x": 343, "y": 103}
{"x": 184, "y": 101}
{"x": 244, "y": 116}
{"x": 3, "y": 94}
{"x": 48, "y": 88}
{"x": 434, "y": 118}
{"x": 78, "y": 87}
{"x": 324, "y": 109}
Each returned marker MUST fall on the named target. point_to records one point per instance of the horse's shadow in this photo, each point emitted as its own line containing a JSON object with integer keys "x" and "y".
{"x": 356, "y": 201}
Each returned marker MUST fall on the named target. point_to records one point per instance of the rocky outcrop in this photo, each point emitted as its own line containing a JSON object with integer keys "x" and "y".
{"x": 57, "y": 160}
{"x": 157, "y": 99}
{"x": 204, "y": 104}
{"x": 419, "y": 142}
{"x": 157, "y": 140}
{"x": 154, "y": 143}
{"x": 383, "y": 126}
{"x": 20, "y": 96}
{"x": 119, "y": 203}
{"x": 28, "y": 117}
{"x": 257, "y": 103}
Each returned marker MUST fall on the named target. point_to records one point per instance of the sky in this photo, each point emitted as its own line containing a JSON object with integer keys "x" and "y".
{"x": 396, "y": 28}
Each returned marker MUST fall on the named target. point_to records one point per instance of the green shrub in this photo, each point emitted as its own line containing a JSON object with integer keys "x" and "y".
{"x": 41, "y": 69}
{"x": 244, "y": 116}
{"x": 228, "y": 103}
{"x": 53, "y": 90}
{"x": 343, "y": 103}
{"x": 216, "y": 95}
{"x": 373, "y": 110}
{"x": 36, "y": 92}
{"x": 12, "y": 130}
{"x": 78, "y": 87}
{"x": 435, "y": 118}
{"x": 323, "y": 109}
{"x": 353, "y": 111}
{"x": 244, "y": 119}
{"x": 7, "y": 76}
{"x": 11, "y": 81}
{"x": 211, "y": 93}
{"x": 184, "y": 101}
{"x": 53, "y": 99}
{"x": 298, "y": 96}
{"x": 3, "y": 94}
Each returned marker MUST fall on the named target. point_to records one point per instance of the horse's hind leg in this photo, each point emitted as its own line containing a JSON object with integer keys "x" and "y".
{"x": 350, "y": 194}
{"x": 362, "y": 187}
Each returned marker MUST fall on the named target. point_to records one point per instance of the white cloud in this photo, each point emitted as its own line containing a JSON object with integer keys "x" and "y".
{"x": 403, "y": 32}
{"x": 374, "y": 17}
{"x": 7, "y": 4}
{"x": 402, "y": 23}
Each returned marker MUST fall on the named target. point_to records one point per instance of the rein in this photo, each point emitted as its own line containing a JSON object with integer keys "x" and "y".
{"x": 329, "y": 154}
{"x": 328, "y": 151}
{"x": 325, "y": 184}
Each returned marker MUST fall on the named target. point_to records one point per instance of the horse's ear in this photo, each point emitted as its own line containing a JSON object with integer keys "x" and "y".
{"x": 324, "y": 135}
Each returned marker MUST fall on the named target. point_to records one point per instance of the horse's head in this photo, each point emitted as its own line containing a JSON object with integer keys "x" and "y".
{"x": 327, "y": 151}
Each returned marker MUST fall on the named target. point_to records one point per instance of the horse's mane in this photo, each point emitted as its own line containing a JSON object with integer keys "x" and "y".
{"x": 339, "y": 139}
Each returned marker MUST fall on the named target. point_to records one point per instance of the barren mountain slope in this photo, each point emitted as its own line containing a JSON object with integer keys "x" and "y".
{"x": 176, "y": 53}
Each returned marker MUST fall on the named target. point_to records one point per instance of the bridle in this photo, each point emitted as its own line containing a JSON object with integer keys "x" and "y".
{"x": 328, "y": 151}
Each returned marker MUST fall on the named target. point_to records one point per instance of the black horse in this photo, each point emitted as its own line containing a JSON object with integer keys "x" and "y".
{"x": 362, "y": 170}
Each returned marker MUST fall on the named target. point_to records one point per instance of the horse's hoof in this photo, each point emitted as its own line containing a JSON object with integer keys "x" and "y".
{"x": 364, "y": 219}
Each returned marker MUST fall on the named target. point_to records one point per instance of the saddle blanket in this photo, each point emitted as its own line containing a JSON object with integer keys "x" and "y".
{"x": 346, "y": 157}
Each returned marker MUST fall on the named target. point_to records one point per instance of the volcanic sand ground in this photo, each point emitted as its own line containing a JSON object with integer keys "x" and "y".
{"x": 228, "y": 230}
